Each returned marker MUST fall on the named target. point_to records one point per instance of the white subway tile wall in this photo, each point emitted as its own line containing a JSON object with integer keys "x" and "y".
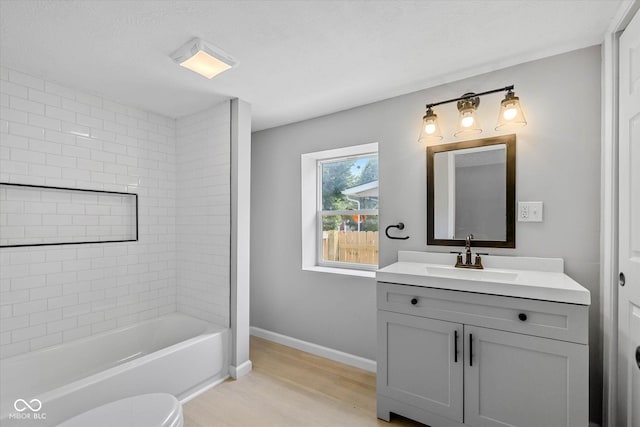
{"x": 57, "y": 136}
{"x": 39, "y": 215}
{"x": 203, "y": 214}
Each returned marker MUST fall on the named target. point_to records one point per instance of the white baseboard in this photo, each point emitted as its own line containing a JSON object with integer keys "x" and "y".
{"x": 318, "y": 350}
{"x": 241, "y": 370}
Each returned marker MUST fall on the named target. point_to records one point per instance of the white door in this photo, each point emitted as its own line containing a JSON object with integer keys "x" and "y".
{"x": 525, "y": 381}
{"x": 418, "y": 364}
{"x": 629, "y": 232}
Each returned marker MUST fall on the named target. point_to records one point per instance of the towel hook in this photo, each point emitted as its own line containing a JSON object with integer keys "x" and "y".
{"x": 399, "y": 226}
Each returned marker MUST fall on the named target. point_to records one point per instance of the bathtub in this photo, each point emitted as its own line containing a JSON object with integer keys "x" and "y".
{"x": 175, "y": 354}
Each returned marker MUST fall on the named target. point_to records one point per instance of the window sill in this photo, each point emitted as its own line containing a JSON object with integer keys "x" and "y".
{"x": 343, "y": 271}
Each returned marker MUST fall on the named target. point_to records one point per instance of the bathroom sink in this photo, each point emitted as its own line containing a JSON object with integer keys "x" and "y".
{"x": 483, "y": 275}
{"x": 521, "y": 277}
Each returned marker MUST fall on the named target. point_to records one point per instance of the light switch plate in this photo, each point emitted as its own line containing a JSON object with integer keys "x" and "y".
{"x": 529, "y": 211}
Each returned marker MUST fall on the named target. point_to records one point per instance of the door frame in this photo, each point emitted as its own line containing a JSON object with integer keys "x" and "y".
{"x": 609, "y": 209}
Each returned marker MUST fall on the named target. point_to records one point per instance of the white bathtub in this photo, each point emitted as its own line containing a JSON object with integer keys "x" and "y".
{"x": 175, "y": 354}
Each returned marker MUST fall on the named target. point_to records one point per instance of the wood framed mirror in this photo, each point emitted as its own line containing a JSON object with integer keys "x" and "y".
{"x": 471, "y": 189}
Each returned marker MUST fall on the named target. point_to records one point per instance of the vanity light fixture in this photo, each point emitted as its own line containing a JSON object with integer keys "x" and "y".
{"x": 203, "y": 58}
{"x": 430, "y": 128}
{"x": 468, "y": 121}
{"x": 510, "y": 115}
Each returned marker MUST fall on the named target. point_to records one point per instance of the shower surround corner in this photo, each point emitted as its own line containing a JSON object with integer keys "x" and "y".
{"x": 53, "y": 135}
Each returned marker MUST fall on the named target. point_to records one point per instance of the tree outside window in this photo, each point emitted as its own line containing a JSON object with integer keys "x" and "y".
{"x": 349, "y": 210}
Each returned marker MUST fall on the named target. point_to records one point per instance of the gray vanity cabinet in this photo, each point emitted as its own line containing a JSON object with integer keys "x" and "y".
{"x": 519, "y": 362}
{"x": 521, "y": 380}
{"x": 419, "y": 366}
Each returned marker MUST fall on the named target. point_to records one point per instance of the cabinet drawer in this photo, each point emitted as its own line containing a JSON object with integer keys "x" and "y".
{"x": 568, "y": 322}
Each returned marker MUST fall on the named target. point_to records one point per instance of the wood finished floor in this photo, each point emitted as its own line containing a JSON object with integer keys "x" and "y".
{"x": 288, "y": 387}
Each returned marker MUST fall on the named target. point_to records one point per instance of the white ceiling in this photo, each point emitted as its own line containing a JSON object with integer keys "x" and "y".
{"x": 298, "y": 59}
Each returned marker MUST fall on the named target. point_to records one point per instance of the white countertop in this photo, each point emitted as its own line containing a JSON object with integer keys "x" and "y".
{"x": 536, "y": 278}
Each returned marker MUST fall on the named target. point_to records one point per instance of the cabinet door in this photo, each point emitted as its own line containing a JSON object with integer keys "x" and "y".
{"x": 417, "y": 363}
{"x": 525, "y": 381}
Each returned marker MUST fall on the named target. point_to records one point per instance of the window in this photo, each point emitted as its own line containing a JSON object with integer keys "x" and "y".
{"x": 340, "y": 208}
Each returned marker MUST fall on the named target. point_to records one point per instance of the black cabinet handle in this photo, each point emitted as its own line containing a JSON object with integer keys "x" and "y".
{"x": 638, "y": 356}
{"x": 522, "y": 317}
{"x": 414, "y": 301}
{"x": 455, "y": 346}
{"x": 470, "y": 349}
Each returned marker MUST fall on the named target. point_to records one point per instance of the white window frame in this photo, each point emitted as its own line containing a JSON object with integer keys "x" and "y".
{"x": 311, "y": 211}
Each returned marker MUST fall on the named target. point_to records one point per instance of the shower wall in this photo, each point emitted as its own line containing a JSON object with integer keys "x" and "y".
{"x": 203, "y": 221}
{"x": 56, "y": 136}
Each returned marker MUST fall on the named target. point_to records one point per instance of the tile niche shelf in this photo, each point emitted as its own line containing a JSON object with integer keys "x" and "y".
{"x": 36, "y": 215}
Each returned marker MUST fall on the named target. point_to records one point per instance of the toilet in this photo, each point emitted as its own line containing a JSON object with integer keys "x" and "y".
{"x": 146, "y": 410}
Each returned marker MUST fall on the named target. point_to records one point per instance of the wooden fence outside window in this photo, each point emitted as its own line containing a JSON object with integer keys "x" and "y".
{"x": 360, "y": 247}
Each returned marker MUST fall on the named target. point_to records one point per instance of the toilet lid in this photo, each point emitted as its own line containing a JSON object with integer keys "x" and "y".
{"x": 146, "y": 410}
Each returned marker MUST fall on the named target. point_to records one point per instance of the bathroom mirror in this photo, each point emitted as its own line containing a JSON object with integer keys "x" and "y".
{"x": 471, "y": 189}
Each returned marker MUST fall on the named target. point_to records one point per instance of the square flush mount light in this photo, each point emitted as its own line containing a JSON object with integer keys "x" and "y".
{"x": 203, "y": 58}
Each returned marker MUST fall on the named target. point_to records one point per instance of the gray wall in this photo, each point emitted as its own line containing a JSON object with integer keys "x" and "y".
{"x": 558, "y": 162}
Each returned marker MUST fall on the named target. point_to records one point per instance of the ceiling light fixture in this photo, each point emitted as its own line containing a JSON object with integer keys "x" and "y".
{"x": 203, "y": 58}
{"x": 510, "y": 115}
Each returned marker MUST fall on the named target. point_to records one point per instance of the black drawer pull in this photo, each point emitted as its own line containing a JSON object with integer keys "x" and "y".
{"x": 414, "y": 301}
{"x": 470, "y": 349}
{"x": 522, "y": 317}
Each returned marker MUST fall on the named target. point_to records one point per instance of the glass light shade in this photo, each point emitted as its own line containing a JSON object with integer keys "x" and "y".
{"x": 430, "y": 130}
{"x": 468, "y": 122}
{"x": 511, "y": 115}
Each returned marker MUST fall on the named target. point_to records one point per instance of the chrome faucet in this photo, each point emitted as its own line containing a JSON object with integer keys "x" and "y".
{"x": 467, "y": 264}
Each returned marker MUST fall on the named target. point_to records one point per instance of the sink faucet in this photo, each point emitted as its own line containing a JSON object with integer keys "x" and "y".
{"x": 467, "y": 249}
{"x": 467, "y": 264}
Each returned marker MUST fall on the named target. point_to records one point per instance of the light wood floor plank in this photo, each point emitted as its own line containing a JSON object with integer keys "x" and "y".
{"x": 289, "y": 387}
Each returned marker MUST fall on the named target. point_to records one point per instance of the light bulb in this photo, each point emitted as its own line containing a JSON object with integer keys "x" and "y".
{"x": 467, "y": 121}
{"x": 430, "y": 128}
{"x": 510, "y": 113}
